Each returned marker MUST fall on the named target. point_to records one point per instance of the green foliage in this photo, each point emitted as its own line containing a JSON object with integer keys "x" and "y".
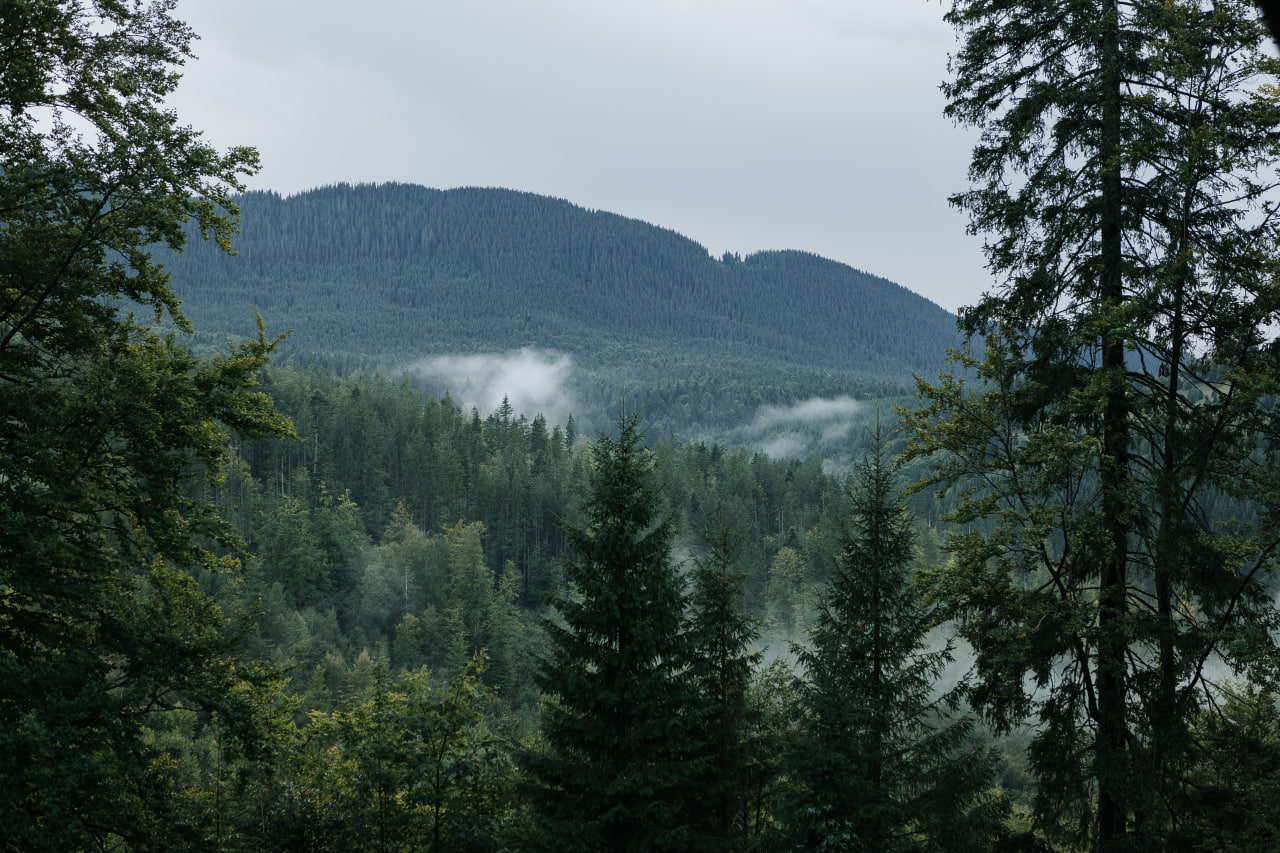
{"x": 775, "y": 723}
{"x": 790, "y": 588}
{"x": 1231, "y": 801}
{"x": 405, "y": 765}
{"x": 467, "y": 269}
{"x": 469, "y": 583}
{"x": 1126, "y": 393}
{"x": 101, "y": 622}
{"x": 879, "y": 766}
{"x": 616, "y": 768}
{"x": 433, "y": 465}
{"x": 722, "y": 664}
{"x": 293, "y": 552}
{"x": 138, "y": 710}
{"x": 704, "y": 343}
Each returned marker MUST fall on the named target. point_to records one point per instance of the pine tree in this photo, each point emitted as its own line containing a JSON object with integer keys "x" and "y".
{"x": 1124, "y": 179}
{"x": 880, "y": 765}
{"x": 616, "y": 767}
{"x": 722, "y": 666}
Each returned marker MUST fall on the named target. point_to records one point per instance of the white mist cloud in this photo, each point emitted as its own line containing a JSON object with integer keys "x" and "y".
{"x": 533, "y": 381}
{"x": 803, "y": 428}
{"x": 835, "y": 432}
{"x": 814, "y": 411}
{"x": 786, "y": 446}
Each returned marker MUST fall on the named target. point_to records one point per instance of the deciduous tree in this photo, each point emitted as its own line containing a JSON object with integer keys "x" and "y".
{"x": 102, "y": 419}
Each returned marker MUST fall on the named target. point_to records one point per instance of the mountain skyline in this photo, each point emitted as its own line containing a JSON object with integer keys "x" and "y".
{"x": 816, "y": 125}
{"x": 514, "y": 284}
{"x": 518, "y": 269}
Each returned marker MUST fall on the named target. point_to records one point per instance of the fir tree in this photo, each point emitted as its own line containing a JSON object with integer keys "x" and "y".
{"x": 722, "y": 668}
{"x": 616, "y": 768}
{"x": 880, "y": 765}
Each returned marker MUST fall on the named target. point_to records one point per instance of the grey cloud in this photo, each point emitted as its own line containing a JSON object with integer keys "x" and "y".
{"x": 634, "y": 107}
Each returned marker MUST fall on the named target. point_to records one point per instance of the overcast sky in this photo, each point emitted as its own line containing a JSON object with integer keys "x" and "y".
{"x": 743, "y": 124}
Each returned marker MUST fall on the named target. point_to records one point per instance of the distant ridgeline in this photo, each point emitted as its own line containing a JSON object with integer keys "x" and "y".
{"x": 394, "y": 272}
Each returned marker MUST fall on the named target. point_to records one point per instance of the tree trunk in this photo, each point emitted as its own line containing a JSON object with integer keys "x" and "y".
{"x": 1110, "y": 660}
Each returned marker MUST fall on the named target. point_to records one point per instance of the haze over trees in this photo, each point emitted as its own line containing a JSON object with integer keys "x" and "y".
{"x": 313, "y": 607}
{"x": 696, "y": 340}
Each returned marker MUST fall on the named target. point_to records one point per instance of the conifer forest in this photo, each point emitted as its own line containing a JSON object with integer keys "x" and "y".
{"x": 273, "y": 590}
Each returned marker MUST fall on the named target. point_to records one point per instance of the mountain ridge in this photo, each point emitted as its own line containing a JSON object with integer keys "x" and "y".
{"x": 393, "y": 273}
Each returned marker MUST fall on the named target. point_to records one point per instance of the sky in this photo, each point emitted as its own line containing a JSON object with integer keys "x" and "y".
{"x": 745, "y": 125}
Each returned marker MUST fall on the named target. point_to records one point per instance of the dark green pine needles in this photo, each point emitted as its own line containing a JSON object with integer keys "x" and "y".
{"x": 879, "y": 765}
{"x": 617, "y": 765}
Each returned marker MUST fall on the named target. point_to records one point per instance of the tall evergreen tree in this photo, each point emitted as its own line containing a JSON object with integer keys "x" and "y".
{"x": 1124, "y": 177}
{"x": 722, "y": 666}
{"x": 880, "y": 766}
{"x": 616, "y": 769}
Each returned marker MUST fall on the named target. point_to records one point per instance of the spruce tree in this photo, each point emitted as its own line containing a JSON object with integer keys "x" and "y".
{"x": 615, "y": 768}
{"x": 881, "y": 764}
{"x": 722, "y": 667}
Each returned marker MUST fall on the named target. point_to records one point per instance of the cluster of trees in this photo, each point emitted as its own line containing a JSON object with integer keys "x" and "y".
{"x": 379, "y": 448}
{"x": 404, "y": 530}
{"x": 456, "y": 631}
{"x": 682, "y": 394}
{"x": 658, "y": 726}
{"x": 648, "y": 739}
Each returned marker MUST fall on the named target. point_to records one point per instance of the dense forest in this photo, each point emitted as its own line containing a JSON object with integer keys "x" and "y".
{"x": 464, "y": 270}
{"x": 697, "y": 342}
{"x": 409, "y": 539}
{"x": 287, "y": 595}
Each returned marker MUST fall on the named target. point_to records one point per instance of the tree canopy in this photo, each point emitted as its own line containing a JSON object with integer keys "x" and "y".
{"x": 105, "y": 418}
{"x": 1125, "y": 181}
{"x": 882, "y": 763}
{"x": 618, "y": 770}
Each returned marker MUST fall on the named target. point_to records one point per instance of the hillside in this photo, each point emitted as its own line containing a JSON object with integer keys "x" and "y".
{"x": 394, "y": 273}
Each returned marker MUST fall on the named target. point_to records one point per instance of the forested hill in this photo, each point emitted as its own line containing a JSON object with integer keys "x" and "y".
{"x": 397, "y": 271}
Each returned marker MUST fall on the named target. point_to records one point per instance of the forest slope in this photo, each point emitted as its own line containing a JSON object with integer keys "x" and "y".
{"x": 395, "y": 272}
